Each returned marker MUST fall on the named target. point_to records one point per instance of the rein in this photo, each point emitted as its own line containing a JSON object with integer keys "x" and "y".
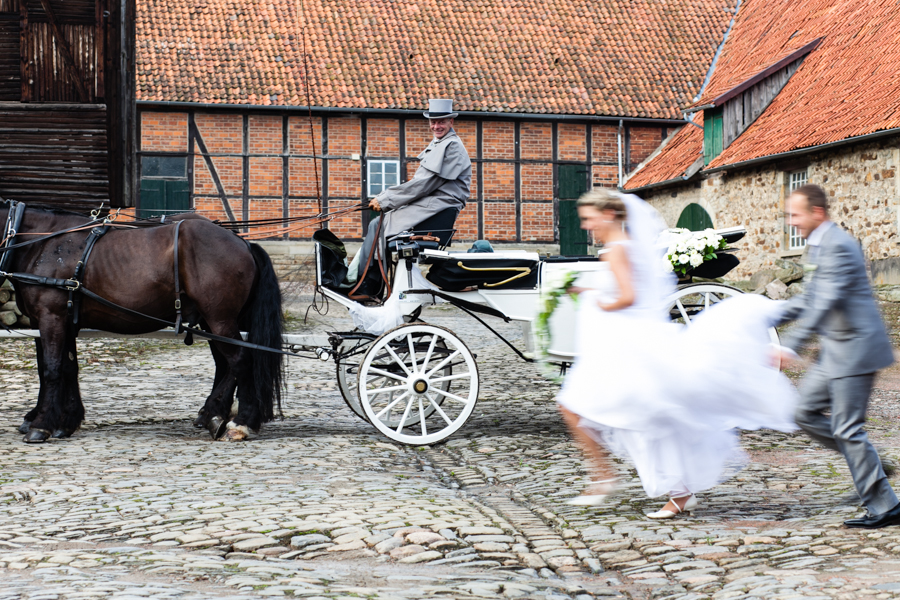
{"x": 73, "y": 285}
{"x": 9, "y": 233}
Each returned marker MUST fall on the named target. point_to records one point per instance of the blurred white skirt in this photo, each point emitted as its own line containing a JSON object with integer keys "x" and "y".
{"x": 671, "y": 398}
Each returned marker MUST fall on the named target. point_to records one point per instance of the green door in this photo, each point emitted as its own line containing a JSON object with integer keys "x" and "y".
{"x": 573, "y": 182}
{"x": 695, "y": 218}
{"x": 163, "y": 196}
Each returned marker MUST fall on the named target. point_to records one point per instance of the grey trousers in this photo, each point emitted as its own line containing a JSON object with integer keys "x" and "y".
{"x": 847, "y": 398}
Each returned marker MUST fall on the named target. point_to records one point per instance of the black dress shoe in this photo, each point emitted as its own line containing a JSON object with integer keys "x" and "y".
{"x": 891, "y": 517}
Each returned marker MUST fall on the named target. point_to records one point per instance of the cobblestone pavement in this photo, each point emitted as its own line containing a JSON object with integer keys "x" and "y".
{"x": 140, "y": 504}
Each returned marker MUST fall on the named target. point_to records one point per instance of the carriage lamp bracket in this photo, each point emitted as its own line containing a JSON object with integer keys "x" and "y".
{"x": 410, "y": 252}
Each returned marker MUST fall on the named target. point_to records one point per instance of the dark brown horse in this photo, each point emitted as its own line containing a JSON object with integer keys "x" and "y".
{"x": 227, "y": 286}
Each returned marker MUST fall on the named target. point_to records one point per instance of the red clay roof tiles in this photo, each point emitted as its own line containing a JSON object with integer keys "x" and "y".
{"x": 847, "y": 87}
{"x": 681, "y": 151}
{"x": 637, "y": 58}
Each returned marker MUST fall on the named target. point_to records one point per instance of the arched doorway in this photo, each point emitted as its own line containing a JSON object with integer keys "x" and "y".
{"x": 695, "y": 218}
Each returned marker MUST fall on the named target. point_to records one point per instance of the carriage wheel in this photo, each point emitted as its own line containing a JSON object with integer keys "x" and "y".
{"x": 693, "y": 298}
{"x": 347, "y": 370}
{"x": 418, "y": 384}
{"x": 348, "y": 380}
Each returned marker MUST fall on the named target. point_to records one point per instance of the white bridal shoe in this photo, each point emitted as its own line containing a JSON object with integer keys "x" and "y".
{"x": 609, "y": 488}
{"x": 690, "y": 505}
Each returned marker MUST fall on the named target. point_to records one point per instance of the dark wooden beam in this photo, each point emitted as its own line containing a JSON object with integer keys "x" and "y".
{"x": 25, "y": 53}
{"x": 66, "y": 51}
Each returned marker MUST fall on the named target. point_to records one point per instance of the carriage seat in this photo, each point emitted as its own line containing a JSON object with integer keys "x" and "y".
{"x": 439, "y": 225}
{"x": 456, "y": 271}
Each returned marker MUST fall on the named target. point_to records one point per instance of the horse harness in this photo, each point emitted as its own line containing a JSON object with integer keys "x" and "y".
{"x": 76, "y": 289}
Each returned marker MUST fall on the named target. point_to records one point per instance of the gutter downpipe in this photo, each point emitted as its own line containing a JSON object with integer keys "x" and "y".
{"x": 619, "y": 144}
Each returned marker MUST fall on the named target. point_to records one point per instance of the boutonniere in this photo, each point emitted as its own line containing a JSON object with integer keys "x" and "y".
{"x": 809, "y": 268}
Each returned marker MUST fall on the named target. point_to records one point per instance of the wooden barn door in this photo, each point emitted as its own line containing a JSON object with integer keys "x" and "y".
{"x": 10, "y": 63}
{"x": 573, "y": 182}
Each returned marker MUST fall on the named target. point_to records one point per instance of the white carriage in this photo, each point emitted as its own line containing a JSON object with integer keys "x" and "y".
{"x": 418, "y": 383}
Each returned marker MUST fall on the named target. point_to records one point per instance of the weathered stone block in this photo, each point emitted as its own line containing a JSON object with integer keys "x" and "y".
{"x": 776, "y": 290}
{"x": 762, "y": 278}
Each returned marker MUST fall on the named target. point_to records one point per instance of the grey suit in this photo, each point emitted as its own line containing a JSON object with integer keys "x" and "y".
{"x": 838, "y": 305}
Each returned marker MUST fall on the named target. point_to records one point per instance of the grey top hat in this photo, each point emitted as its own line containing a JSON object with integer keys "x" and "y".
{"x": 440, "y": 109}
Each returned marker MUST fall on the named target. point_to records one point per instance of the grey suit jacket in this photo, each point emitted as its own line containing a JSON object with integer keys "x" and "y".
{"x": 441, "y": 181}
{"x": 838, "y": 305}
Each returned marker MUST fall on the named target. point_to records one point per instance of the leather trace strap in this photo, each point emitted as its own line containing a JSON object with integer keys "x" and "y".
{"x": 74, "y": 303}
{"x": 177, "y": 281}
{"x": 375, "y": 243}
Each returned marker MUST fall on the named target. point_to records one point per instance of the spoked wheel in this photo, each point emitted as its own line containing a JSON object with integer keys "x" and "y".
{"x": 347, "y": 371}
{"x": 693, "y": 298}
{"x": 418, "y": 384}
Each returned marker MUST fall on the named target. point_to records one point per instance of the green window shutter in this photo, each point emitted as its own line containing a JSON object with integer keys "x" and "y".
{"x": 178, "y": 195}
{"x": 713, "y": 134}
{"x": 153, "y": 197}
{"x": 695, "y": 218}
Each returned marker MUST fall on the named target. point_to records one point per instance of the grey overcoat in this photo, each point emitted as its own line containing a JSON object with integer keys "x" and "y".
{"x": 441, "y": 181}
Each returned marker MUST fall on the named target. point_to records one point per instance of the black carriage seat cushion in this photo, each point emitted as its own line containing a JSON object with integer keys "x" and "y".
{"x": 459, "y": 271}
{"x": 440, "y": 225}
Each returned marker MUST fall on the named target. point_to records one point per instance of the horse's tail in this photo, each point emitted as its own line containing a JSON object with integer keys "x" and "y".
{"x": 263, "y": 320}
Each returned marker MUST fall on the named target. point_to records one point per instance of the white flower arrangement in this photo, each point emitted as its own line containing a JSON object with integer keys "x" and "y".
{"x": 689, "y": 249}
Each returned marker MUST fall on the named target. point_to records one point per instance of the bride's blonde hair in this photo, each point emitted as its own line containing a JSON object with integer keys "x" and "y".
{"x": 604, "y": 199}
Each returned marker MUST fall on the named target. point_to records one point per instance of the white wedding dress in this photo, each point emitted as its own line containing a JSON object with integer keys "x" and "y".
{"x": 669, "y": 397}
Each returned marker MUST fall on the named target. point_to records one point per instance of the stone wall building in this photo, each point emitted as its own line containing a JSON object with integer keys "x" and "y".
{"x": 554, "y": 97}
{"x": 810, "y": 96}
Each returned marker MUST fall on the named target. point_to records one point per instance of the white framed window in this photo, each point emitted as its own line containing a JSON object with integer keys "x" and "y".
{"x": 382, "y": 175}
{"x": 796, "y": 179}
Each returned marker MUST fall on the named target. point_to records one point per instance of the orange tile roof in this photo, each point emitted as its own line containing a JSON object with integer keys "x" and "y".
{"x": 848, "y": 86}
{"x": 637, "y": 58}
{"x": 682, "y": 151}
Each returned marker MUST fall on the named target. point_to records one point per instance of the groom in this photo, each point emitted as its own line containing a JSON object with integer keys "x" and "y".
{"x": 838, "y": 305}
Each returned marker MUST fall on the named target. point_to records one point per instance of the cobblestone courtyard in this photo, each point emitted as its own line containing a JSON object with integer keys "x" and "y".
{"x": 319, "y": 505}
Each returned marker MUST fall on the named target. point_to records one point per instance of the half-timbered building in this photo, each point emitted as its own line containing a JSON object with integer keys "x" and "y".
{"x": 256, "y": 110}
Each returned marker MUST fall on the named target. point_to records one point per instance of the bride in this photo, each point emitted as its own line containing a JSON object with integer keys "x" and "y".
{"x": 668, "y": 398}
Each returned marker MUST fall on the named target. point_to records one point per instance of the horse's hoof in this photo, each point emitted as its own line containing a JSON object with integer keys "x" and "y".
{"x": 216, "y": 427}
{"x": 201, "y": 421}
{"x": 235, "y": 435}
{"x": 25, "y": 427}
{"x": 61, "y": 434}
{"x": 36, "y": 436}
